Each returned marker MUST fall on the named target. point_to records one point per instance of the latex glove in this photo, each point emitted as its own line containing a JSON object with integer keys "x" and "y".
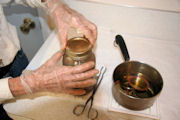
{"x": 55, "y": 78}
{"x": 66, "y": 18}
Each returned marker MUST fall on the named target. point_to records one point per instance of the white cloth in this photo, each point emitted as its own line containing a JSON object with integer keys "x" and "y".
{"x": 9, "y": 44}
{"x": 5, "y": 92}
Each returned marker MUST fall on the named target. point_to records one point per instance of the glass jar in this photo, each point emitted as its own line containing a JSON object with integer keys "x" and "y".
{"x": 78, "y": 51}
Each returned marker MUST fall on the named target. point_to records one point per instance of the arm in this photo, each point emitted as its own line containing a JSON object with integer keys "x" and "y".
{"x": 53, "y": 78}
{"x": 65, "y": 18}
{"x": 65, "y": 78}
{"x": 16, "y": 87}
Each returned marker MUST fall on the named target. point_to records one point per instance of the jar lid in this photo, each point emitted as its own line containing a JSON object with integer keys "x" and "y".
{"x": 78, "y": 47}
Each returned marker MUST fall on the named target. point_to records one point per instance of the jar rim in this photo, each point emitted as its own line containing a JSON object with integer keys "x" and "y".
{"x": 78, "y": 46}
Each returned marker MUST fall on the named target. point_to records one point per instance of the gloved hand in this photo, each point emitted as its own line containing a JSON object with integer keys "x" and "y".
{"x": 66, "y": 18}
{"x": 55, "y": 78}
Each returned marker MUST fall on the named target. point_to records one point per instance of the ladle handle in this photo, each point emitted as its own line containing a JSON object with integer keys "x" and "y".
{"x": 120, "y": 41}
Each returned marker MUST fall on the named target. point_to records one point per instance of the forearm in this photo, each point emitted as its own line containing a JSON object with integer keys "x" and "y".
{"x": 16, "y": 87}
{"x": 53, "y": 4}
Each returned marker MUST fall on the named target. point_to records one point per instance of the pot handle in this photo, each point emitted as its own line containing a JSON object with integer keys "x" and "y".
{"x": 120, "y": 41}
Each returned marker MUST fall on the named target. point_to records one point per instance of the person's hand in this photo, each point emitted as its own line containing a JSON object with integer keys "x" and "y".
{"x": 65, "y": 18}
{"x": 55, "y": 78}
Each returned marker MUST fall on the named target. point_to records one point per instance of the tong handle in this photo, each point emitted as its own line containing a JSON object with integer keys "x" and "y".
{"x": 100, "y": 77}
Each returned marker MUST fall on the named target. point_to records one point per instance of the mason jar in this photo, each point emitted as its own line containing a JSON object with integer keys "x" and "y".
{"x": 78, "y": 51}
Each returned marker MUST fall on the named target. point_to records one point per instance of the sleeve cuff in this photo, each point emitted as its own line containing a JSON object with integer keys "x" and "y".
{"x": 32, "y": 3}
{"x": 5, "y": 92}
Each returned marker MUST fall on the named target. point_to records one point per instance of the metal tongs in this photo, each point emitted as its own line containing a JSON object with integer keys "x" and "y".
{"x": 92, "y": 113}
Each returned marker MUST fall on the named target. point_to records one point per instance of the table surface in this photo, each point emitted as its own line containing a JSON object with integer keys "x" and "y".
{"x": 161, "y": 54}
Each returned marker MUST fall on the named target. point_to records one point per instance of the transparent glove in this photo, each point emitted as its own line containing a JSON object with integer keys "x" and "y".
{"x": 55, "y": 78}
{"x": 66, "y": 18}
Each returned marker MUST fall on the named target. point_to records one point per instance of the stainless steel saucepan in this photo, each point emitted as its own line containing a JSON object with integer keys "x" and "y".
{"x": 136, "y": 85}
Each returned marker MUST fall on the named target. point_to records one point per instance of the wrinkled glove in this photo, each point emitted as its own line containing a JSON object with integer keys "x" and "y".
{"x": 66, "y": 18}
{"x": 55, "y": 78}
